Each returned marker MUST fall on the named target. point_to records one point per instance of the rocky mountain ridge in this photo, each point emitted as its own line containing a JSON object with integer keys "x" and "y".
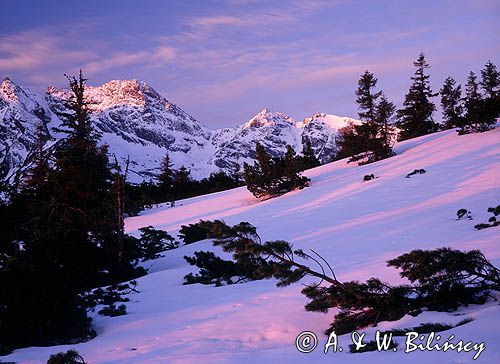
{"x": 138, "y": 122}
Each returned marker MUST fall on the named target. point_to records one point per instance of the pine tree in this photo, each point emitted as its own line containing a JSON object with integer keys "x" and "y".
{"x": 472, "y": 102}
{"x": 490, "y": 80}
{"x": 69, "y": 223}
{"x": 167, "y": 175}
{"x": 367, "y": 104}
{"x": 81, "y": 181}
{"x": 182, "y": 181}
{"x": 263, "y": 158}
{"x": 117, "y": 203}
{"x": 38, "y": 171}
{"x": 236, "y": 173}
{"x": 83, "y": 206}
{"x": 290, "y": 165}
{"x": 347, "y": 142}
{"x": 480, "y": 112}
{"x": 415, "y": 118}
{"x": 490, "y": 83}
{"x": 451, "y": 102}
{"x": 366, "y": 99}
{"x": 269, "y": 177}
{"x": 384, "y": 114}
{"x": 372, "y": 140}
{"x": 309, "y": 159}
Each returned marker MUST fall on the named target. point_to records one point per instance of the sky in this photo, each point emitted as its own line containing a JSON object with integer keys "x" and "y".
{"x": 224, "y": 60}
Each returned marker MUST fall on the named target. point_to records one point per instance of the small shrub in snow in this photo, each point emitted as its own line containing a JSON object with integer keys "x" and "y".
{"x": 464, "y": 214}
{"x": 68, "y": 357}
{"x": 109, "y": 295}
{"x": 194, "y": 232}
{"x": 271, "y": 177}
{"x": 113, "y": 310}
{"x": 214, "y": 270}
{"x": 416, "y": 171}
{"x": 152, "y": 242}
{"x": 492, "y": 221}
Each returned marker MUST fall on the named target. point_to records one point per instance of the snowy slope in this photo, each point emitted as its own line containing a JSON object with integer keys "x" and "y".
{"x": 139, "y": 123}
{"x": 356, "y": 225}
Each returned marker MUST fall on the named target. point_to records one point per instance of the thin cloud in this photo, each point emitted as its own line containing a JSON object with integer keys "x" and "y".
{"x": 29, "y": 50}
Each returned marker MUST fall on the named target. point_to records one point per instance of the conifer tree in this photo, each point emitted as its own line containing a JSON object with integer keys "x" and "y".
{"x": 451, "y": 102}
{"x": 366, "y": 98}
{"x": 264, "y": 159}
{"x": 84, "y": 204}
{"x": 490, "y": 83}
{"x": 415, "y": 118}
{"x": 38, "y": 171}
{"x": 472, "y": 101}
{"x": 347, "y": 142}
{"x": 117, "y": 203}
{"x": 480, "y": 112}
{"x": 182, "y": 181}
{"x": 273, "y": 176}
{"x": 167, "y": 175}
{"x": 291, "y": 166}
{"x": 236, "y": 173}
{"x": 367, "y": 103}
{"x": 81, "y": 180}
{"x": 371, "y": 141}
{"x": 490, "y": 80}
{"x": 66, "y": 218}
{"x": 384, "y": 114}
{"x": 309, "y": 159}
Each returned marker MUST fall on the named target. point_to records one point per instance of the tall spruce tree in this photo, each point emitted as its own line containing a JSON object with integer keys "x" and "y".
{"x": 117, "y": 204}
{"x": 167, "y": 175}
{"x": 38, "y": 171}
{"x": 490, "y": 80}
{"x": 366, "y": 98}
{"x": 490, "y": 83}
{"x": 415, "y": 118}
{"x": 367, "y": 104}
{"x": 291, "y": 166}
{"x": 472, "y": 102}
{"x": 308, "y": 159}
{"x": 451, "y": 102}
{"x": 83, "y": 206}
{"x": 182, "y": 181}
{"x": 78, "y": 219}
{"x": 40, "y": 284}
{"x": 384, "y": 115}
{"x": 347, "y": 142}
{"x": 372, "y": 140}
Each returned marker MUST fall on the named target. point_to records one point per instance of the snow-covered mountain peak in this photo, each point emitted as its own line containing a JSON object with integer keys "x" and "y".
{"x": 10, "y": 92}
{"x": 333, "y": 121}
{"x": 267, "y": 117}
{"x": 124, "y": 92}
{"x": 138, "y": 122}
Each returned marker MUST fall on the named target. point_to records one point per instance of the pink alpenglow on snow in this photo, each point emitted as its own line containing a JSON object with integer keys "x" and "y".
{"x": 356, "y": 226}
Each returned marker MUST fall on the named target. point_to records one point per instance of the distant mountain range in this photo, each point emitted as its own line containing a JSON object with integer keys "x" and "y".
{"x": 139, "y": 123}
